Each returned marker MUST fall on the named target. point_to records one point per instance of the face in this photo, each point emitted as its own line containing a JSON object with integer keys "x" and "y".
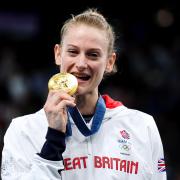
{"x": 84, "y": 53}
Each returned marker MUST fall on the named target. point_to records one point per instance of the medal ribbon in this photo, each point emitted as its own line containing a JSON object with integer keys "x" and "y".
{"x": 80, "y": 122}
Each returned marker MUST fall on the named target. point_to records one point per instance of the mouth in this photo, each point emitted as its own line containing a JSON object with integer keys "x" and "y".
{"x": 82, "y": 76}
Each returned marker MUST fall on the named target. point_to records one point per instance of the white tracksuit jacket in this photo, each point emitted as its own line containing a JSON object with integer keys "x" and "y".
{"x": 126, "y": 147}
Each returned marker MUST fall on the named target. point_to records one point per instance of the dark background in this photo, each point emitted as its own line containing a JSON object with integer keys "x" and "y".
{"x": 148, "y": 47}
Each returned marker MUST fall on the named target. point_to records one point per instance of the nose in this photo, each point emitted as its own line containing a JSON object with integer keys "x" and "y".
{"x": 81, "y": 63}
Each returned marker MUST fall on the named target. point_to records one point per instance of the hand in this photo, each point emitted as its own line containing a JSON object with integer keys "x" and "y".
{"x": 56, "y": 109}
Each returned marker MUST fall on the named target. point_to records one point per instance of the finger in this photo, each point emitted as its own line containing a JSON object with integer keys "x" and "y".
{"x": 51, "y": 93}
{"x": 56, "y": 97}
{"x": 60, "y": 96}
{"x": 64, "y": 104}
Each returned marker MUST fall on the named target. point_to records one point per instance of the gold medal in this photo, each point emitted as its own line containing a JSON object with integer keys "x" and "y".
{"x": 63, "y": 81}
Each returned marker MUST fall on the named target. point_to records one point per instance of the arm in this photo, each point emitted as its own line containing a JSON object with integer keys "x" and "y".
{"x": 159, "y": 171}
{"x": 19, "y": 158}
{"x": 19, "y": 163}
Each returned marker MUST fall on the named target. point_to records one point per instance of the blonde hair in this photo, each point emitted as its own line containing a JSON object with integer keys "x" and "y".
{"x": 93, "y": 18}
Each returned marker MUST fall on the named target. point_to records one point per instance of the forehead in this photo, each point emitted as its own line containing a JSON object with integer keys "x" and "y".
{"x": 85, "y": 34}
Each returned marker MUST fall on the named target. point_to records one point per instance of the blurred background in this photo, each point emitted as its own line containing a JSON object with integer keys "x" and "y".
{"x": 148, "y": 47}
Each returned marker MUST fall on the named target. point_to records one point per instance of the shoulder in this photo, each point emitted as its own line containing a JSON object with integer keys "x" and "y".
{"x": 26, "y": 134}
{"x": 137, "y": 114}
{"x": 28, "y": 122}
{"x": 140, "y": 114}
{"x": 129, "y": 115}
{"x": 118, "y": 106}
{"x": 140, "y": 120}
{"x": 29, "y": 117}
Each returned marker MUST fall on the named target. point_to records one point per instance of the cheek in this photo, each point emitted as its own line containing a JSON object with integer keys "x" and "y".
{"x": 65, "y": 65}
{"x": 99, "y": 69}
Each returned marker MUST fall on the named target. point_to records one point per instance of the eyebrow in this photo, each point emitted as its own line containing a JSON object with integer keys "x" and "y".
{"x": 71, "y": 45}
{"x": 90, "y": 49}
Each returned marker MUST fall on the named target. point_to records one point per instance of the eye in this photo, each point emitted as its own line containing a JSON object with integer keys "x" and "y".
{"x": 72, "y": 52}
{"x": 93, "y": 55}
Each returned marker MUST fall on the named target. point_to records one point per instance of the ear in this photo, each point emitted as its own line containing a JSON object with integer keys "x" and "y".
{"x": 110, "y": 63}
{"x": 57, "y": 54}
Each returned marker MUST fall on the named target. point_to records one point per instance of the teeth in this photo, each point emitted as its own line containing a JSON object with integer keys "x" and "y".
{"x": 81, "y": 75}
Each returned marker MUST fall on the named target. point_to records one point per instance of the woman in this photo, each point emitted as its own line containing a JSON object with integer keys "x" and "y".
{"x": 84, "y": 136}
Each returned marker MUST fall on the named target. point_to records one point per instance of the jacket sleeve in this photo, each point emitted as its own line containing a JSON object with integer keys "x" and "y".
{"x": 19, "y": 163}
{"x": 158, "y": 162}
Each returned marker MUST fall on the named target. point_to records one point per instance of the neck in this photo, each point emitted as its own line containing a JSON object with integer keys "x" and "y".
{"x": 87, "y": 103}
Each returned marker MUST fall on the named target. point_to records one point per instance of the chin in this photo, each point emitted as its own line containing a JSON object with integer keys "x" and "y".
{"x": 82, "y": 91}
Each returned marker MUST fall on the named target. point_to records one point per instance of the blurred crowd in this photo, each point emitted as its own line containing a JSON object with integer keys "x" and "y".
{"x": 147, "y": 79}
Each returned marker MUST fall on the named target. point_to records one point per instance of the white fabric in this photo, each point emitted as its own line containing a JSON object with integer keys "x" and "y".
{"x": 109, "y": 154}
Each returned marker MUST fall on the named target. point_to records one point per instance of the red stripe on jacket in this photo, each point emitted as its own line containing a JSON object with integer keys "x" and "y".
{"x": 111, "y": 103}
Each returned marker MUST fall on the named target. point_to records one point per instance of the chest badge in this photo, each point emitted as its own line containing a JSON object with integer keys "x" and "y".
{"x": 124, "y": 143}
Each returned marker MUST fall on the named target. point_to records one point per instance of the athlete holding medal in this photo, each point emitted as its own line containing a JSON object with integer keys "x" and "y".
{"x": 81, "y": 134}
